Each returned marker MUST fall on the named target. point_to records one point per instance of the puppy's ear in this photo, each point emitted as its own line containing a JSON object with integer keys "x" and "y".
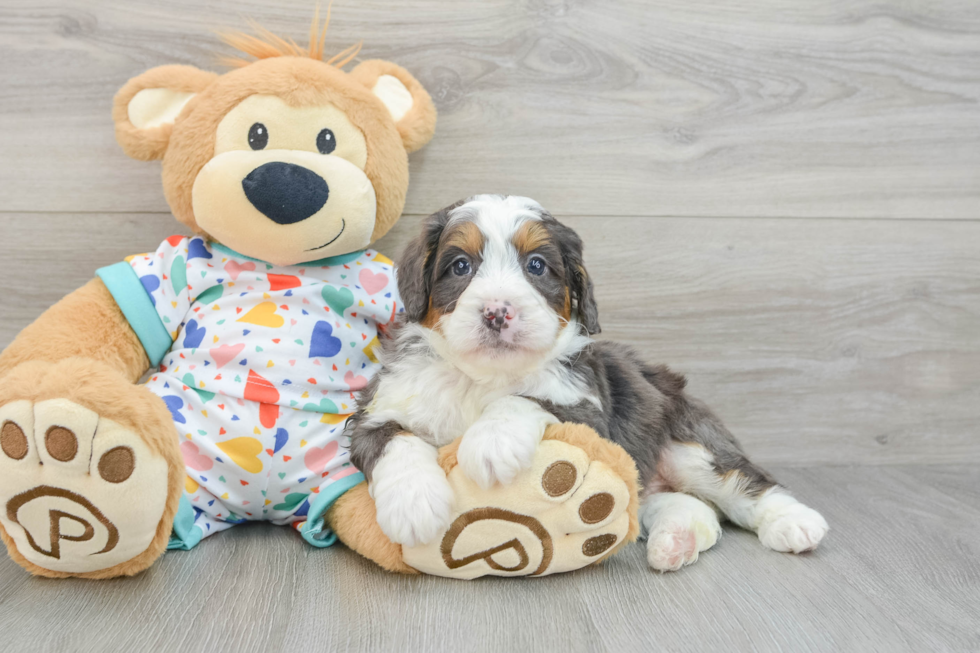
{"x": 145, "y": 108}
{"x": 414, "y": 269}
{"x": 408, "y": 103}
{"x": 576, "y": 276}
{"x": 588, "y": 310}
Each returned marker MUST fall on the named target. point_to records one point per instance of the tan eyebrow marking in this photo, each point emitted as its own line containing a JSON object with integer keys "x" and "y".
{"x": 530, "y": 236}
{"x": 466, "y": 236}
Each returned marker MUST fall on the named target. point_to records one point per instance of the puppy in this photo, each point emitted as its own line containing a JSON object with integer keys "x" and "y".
{"x": 494, "y": 344}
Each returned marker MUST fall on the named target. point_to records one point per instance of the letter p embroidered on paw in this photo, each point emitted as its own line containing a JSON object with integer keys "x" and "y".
{"x": 68, "y": 483}
{"x": 565, "y": 512}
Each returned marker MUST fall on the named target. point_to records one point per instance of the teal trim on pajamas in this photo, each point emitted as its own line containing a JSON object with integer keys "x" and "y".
{"x": 185, "y": 535}
{"x": 314, "y": 530}
{"x": 339, "y": 259}
{"x": 136, "y": 305}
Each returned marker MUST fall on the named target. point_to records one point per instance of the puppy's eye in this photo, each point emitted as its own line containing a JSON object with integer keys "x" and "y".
{"x": 461, "y": 267}
{"x": 325, "y": 141}
{"x": 258, "y": 136}
{"x": 536, "y": 266}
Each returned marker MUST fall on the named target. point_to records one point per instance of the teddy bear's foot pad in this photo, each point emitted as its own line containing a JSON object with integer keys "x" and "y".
{"x": 77, "y": 493}
{"x": 565, "y": 512}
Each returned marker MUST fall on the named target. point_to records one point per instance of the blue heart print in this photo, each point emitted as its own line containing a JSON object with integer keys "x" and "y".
{"x": 150, "y": 283}
{"x": 174, "y": 404}
{"x": 281, "y": 437}
{"x": 322, "y": 342}
{"x": 196, "y": 249}
{"x": 193, "y": 335}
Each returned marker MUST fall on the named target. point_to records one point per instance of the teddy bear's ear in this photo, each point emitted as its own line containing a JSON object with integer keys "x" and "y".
{"x": 145, "y": 108}
{"x": 409, "y": 104}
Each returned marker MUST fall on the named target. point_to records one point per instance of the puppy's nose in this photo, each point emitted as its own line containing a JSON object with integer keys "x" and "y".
{"x": 284, "y": 192}
{"x": 497, "y": 314}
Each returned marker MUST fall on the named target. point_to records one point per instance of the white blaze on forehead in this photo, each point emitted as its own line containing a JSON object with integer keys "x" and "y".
{"x": 497, "y": 212}
{"x": 498, "y": 218}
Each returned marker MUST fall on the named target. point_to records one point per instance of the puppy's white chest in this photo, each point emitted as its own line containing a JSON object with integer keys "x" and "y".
{"x": 451, "y": 412}
{"x": 435, "y": 402}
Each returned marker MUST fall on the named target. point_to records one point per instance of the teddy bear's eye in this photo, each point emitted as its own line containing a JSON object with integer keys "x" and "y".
{"x": 325, "y": 141}
{"x": 258, "y": 136}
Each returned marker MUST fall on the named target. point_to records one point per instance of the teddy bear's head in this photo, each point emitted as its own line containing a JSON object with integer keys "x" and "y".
{"x": 286, "y": 159}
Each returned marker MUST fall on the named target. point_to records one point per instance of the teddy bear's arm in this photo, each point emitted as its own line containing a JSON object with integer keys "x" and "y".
{"x": 86, "y": 323}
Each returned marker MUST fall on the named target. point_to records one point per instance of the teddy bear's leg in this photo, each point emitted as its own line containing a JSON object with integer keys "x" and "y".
{"x": 90, "y": 470}
{"x": 353, "y": 518}
{"x": 576, "y": 505}
{"x": 87, "y": 323}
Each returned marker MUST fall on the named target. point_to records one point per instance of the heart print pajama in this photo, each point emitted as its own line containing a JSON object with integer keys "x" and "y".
{"x": 258, "y": 365}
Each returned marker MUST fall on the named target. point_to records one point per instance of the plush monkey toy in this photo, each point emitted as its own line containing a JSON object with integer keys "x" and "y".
{"x": 262, "y": 327}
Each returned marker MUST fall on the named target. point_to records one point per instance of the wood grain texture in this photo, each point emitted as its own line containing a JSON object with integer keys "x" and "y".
{"x": 602, "y": 107}
{"x": 817, "y": 341}
{"x": 692, "y": 144}
{"x": 899, "y": 572}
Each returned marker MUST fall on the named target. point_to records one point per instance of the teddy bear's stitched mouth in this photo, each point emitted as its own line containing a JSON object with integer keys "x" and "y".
{"x": 343, "y": 225}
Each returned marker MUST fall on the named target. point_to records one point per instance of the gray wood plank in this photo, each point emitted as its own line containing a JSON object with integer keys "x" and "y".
{"x": 621, "y": 107}
{"x": 898, "y": 572}
{"x": 817, "y": 341}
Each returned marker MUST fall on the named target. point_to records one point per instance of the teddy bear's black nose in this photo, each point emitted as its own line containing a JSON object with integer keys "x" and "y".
{"x": 284, "y": 192}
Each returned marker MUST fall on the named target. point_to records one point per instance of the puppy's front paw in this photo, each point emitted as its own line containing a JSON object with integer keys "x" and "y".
{"x": 496, "y": 450}
{"x": 413, "y": 499}
{"x": 417, "y": 512}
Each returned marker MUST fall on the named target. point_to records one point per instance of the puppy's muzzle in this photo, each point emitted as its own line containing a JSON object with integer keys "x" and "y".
{"x": 498, "y": 315}
{"x": 285, "y": 192}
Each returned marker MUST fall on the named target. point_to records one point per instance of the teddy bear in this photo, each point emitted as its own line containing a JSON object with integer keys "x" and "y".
{"x": 256, "y": 333}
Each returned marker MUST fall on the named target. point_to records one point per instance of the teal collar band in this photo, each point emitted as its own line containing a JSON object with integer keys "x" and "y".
{"x": 340, "y": 259}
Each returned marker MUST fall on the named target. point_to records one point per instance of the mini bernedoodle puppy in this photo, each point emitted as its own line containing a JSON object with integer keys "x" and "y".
{"x": 494, "y": 344}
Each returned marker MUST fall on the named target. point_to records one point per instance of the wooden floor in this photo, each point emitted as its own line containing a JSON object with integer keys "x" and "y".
{"x": 900, "y": 572}
{"x": 780, "y": 199}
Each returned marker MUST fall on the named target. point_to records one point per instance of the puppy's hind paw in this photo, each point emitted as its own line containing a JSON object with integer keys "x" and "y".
{"x": 680, "y": 528}
{"x": 792, "y": 527}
